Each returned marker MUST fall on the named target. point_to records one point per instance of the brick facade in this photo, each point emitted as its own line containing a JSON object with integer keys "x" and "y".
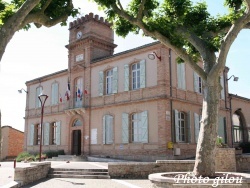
{"x": 156, "y": 101}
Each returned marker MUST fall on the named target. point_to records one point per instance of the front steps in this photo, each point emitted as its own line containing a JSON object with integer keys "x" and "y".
{"x": 79, "y": 173}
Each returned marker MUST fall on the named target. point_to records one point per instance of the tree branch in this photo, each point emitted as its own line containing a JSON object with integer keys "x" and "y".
{"x": 45, "y": 6}
{"x": 140, "y": 12}
{"x": 228, "y": 40}
{"x": 164, "y": 40}
{"x": 13, "y": 24}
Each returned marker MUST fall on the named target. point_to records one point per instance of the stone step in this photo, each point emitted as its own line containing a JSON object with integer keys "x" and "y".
{"x": 80, "y": 172}
{"x": 67, "y": 158}
{"x": 79, "y": 176}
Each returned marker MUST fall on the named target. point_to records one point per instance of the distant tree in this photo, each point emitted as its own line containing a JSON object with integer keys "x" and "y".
{"x": 19, "y": 14}
{"x": 195, "y": 35}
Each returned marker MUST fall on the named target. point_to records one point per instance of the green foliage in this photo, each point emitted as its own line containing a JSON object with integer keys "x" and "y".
{"x": 168, "y": 16}
{"x": 55, "y": 9}
{"x": 25, "y": 156}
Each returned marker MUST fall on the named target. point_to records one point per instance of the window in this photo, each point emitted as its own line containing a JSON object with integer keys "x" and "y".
{"x": 237, "y": 128}
{"x": 37, "y": 134}
{"x": 222, "y": 94}
{"x": 135, "y": 127}
{"x": 53, "y": 133}
{"x": 77, "y": 122}
{"x": 222, "y": 129}
{"x": 38, "y": 92}
{"x": 135, "y": 76}
{"x": 197, "y": 83}
{"x": 107, "y": 129}
{"x": 31, "y": 133}
{"x": 78, "y": 92}
{"x": 181, "y": 76}
{"x": 180, "y": 126}
{"x": 54, "y": 94}
{"x": 109, "y": 80}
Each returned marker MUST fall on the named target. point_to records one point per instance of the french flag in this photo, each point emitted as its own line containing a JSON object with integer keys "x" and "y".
{"x": 78, "y": 93}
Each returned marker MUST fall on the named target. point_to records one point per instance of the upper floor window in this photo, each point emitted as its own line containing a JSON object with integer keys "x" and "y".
{"x": 197, "y": 83}
{"x": 38, "y": 92}
{"x": 135, "y": 76}
{"x": 135, "y": 127}
{"x": 108, "y": 129}
{"x": 222, "y": 94}
{"x": 78, "y": 92}
{"x": 181, "y": 72}
{"x": 54, "y": 94}
{"x": 108, "y": 82}
{"x": 180, "y": 127}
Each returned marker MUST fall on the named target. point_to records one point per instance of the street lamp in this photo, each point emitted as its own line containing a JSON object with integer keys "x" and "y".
{"x": 42, "y": 99}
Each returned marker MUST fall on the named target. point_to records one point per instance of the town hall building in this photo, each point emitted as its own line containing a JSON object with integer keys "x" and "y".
{"x": 135, "y": 105}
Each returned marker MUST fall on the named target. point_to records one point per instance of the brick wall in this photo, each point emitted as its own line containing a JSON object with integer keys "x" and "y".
{"x": 16, "y": 141}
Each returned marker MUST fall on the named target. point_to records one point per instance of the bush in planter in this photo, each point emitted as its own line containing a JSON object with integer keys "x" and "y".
{"x": 51, "y": 153}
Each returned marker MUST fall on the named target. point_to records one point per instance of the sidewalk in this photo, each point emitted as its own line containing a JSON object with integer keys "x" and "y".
{"x": 7, "y": 176}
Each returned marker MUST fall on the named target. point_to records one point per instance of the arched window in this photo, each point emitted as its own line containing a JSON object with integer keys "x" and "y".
{"x": 77, "y": 122}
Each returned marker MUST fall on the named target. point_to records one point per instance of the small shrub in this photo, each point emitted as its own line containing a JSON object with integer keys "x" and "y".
{"x": 25, "y": 156}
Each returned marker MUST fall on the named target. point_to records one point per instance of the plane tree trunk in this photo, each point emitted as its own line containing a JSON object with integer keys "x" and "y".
{"x": 205, "y": 152}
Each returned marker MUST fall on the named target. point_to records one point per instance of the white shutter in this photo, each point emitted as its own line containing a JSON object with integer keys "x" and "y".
{"x": 196, "y": 82}
{"x": 144, "y": 127}
{"x": 104, "y": 130}
{"x": 115, "y": 80}
{"x": 101, "y": 83}
{"x": 221, "y": 128}
{"x": 125, "y": 128}
{"x": 110, "y": 129}
{"x": 223, "y": 87}
{"x": 31, "y": 134}
{"x": 189, "y": 127}
{"x": 46, "y": 133}
{"x": 56, "y": 93}
{"x": 196, "y": 126}
{"x": 142, "y": 73}
{"x": 183, "y": 71}
{"x": 177, "y": 127}
{"x": 126, "y": 77}
{"x": 58, "y": 133}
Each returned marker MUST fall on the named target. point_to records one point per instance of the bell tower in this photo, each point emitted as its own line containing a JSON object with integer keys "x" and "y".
{"x": 90, "y": 38}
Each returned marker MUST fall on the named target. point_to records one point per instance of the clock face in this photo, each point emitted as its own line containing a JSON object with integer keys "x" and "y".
{"x": 79, "y": 35}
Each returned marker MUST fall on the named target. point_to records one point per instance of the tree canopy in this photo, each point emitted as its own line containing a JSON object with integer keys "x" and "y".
{"x": 194, "y": 35}
{"x": 19, "y": 14}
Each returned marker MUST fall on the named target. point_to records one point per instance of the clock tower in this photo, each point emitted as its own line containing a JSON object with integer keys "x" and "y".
{"x": 90, "y": 38}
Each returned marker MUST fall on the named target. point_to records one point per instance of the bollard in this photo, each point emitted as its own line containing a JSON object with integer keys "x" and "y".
{"x": 14, "y": 163}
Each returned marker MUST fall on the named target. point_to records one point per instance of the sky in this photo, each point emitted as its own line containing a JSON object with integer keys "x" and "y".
{"x": 38, "y": 52}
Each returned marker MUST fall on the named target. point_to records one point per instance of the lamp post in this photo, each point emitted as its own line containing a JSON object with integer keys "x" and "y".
{"x": 42, "y": 99}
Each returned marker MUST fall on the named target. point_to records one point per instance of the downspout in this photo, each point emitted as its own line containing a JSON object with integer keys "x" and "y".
{"x": 171, "y": 94}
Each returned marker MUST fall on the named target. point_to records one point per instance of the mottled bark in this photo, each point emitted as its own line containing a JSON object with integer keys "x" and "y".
{"x": 205, "y": 152}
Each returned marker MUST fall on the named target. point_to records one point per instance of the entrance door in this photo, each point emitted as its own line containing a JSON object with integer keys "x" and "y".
{"x": 76, "y": 142}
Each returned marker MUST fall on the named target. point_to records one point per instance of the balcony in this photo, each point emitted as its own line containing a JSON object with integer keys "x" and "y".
{"x": 74, "y": 106}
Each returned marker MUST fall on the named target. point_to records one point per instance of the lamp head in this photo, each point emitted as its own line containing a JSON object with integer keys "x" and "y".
{"x": 42, "y": 98}
{"x": 236, "y": 79}
{"x": 151, "y": 56}
{"x": 19, "y": 91}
